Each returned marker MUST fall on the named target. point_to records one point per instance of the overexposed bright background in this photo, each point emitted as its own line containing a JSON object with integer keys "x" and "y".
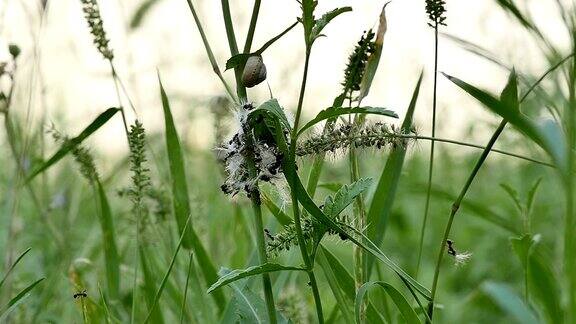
{"x": 71, "y": 82}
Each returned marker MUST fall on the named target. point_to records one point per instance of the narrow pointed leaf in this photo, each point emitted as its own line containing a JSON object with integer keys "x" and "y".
{"x": 73, "y": 142}
{"x": 112, "y": 260}
{"x": 235, "y": 275}
{"x": 406, "y": 311}
{"x": 507, "y": 300}
{"x": 385, "y": 194}
{"x": 339, "y": 111}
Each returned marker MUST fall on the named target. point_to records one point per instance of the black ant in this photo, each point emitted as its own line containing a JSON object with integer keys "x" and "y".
{"x": 451, "y": 250}
{"x": 81, "y": 294}
{"x": 268, "y": 234}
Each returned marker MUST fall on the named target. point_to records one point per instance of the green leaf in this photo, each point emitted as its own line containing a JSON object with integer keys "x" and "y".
{"x": 343, "y": 287}
{"x": 307, "y": 20}
{"x": 248, "y": 272}
{"x": 385, "y": 194}
{"x": 507, "y": 108}
{"x": 505, "y": 298}
{"x": 281, "y": 216}
{"x": 522, "y": 247}
{"x": 141, "y": 13}
{"x": 14, "y": 265}
{"x": 345, "y": 196}
{"x": 74, "y": 142}
{"x": 167, "y": 274}
{"x": 271, "y": 108}
{"x": 339, "y": 111}
{"x": 19, "y": 298}
{"x": 237, "y": 60}
{"x": 374, "y": 58}
{"x": 109, "y": 243}
{"x": 545, "y": 286}
{"x": 408, "y": 314}
{"x": 149, "y": 289}
{"x": 363, "y": 242}
{"x": 325, "y": 20}
{"x": 180, "y": 199}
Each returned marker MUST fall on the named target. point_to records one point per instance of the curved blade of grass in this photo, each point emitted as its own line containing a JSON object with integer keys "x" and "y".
{"x": 73, "y": 142}
{"x": 180, "y": 200}
{"x": 296, "y": 186}
{"x": 508, "y": 109}
{"x": 109, "y": 243}
{"x": 235, "y": 275}
{"x": 276, "y": 211}
{"x": 168, "y": 271}
{"x": 141, "y": 13}
{"x": 385, "y": 193}
{"x": 14, "y": 265}
{"x": 407, "y": 312}
{"x": 509, "y": 302}
{"x": 18, "y": 299}
{"x": 339, "y": 111}
{"x": 149, "y": 291}
{"x": 343, "y": 287}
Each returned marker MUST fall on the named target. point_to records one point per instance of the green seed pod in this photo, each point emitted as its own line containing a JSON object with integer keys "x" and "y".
{"x": 254, "y": 71}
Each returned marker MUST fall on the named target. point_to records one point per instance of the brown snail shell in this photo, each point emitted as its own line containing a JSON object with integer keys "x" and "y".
{"x": 254, "y": 71}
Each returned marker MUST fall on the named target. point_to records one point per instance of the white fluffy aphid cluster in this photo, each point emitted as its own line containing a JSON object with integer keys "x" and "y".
{"x": 244, "y": 151}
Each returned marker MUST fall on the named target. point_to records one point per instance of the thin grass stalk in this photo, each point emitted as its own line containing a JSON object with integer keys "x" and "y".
{"x": 240, "y": 89}
{"x": 477, "y": 167}
{"x": 209, "y": 52}
{"x": 250, "y": 161}
{"x": 569, "y": 230}
{"x": 252, "y": 27}
{"x": 431, "y": 159}
{"x": 297, "y": 223}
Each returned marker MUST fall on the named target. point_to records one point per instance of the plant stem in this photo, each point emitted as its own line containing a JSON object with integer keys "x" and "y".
{"x": 455, "y": 208}
{"x": 252, "y": 27}
{"x": 483, "y": 157}
{"x": 211, "y": 57}
{"x": 569, "y": 230}
{"x": 240, "y": 89}
{"x": 295, "y": 207}
{"x": 249, "y": 158}
{"x": 431, "y": 160}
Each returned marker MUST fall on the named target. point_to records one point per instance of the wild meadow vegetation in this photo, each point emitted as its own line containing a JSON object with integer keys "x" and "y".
{"x": 353, "y": 215}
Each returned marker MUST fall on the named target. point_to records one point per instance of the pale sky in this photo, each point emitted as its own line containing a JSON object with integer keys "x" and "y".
{"x": 77, "y": 83}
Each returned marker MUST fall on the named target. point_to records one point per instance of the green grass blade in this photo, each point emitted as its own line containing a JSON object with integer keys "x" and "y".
{"x": 333, "y": 112}
{"x": 335, "y": 276}
{"x": 383, "y": 199}
{"x": 149, "y": 290}
{"x": 73, "y": 142}
{"x": 235, "y": 275}
{"x": 276, "y": 211}
{"x": 14, "y": 265}
{"x": 17, "y": 300}
{"x": 407, "y": 312}
{"x": 507, "y": 300}
{"x": 181, "y": 201}
{"x": 109, "y": 243}
{"x": 167, "y": 274}
{"x": 143, "y": 10}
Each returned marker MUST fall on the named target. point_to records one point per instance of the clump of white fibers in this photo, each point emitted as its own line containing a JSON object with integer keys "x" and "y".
{"x": 462, "y": 258}
{"x": 234, "y": 154}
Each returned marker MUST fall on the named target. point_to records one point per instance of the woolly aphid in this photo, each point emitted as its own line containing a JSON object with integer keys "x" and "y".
{"x": 244, "y": 143}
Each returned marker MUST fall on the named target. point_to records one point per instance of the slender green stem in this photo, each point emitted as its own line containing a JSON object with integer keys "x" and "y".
{"x": 455, "y": 208}
{"x": 252, "y": 27}
{"x": 431, "y": 160}
{"x": 240, "y": 89}
{"x": 250, "y": 162}
{"x": 297, "y": 223}
{"x": 570, "y": 223}
{"x": 209, "y": 52}
{"x": 481, "y": 160}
